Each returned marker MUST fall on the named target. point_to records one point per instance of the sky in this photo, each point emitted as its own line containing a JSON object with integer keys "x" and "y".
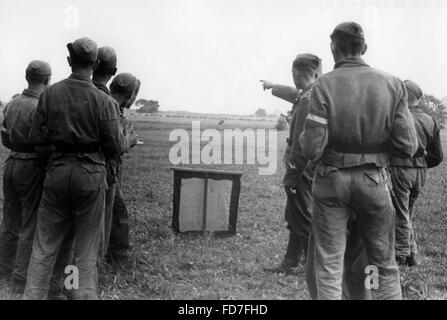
{"x": 208, "y": 56}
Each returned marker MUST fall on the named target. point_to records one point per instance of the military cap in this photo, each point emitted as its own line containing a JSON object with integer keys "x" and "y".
{"x": 107, "y": 60}
{"x": 414, "y": 88}
{"x": 38, "y": 68}
{"x": 84, "y": 49}
{"x": 351, "y": 28}
{"x": 307, "y": 60}
{"x": 124, "y": 83}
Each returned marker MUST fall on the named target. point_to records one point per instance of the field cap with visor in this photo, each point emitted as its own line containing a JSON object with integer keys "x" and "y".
{"x": 306, "y": 61}
{"x": 107, "y": 61}
{"x": 127, "y": 85}
{"x": 414, "y": 89}
{"x": 352, "y": 29}
{"x": 83, "y": 49}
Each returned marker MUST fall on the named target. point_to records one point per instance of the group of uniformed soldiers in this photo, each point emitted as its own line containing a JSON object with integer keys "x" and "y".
{"x": 356, "y": 162}
{"x": 63, "y": 203}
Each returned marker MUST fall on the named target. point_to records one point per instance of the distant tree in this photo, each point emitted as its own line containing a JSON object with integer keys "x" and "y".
{"x": 147, "y": 106}
{"x": 434, "y": 107}
{"x": 281, "y": 125}
{"x": 261, "y": 113}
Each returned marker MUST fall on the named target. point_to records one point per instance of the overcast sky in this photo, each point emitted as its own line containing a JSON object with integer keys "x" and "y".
{"x": 208, "y": 55}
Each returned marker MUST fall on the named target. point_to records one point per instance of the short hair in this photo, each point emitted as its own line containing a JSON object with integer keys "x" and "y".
{"x": 77, "y": 62}
{"x": 347, "y": 44}
{"x": 305, "y": 72}
{"x": 37, "y": 79}
{"x": 104, "y": 70}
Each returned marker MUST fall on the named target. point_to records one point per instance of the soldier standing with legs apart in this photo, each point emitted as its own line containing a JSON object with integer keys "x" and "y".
{"x": 358, "y": 117}
{"x": 81, "y": 123}
{"x": 299, "y": 171}
{"x": 23, "y": 177}
{"x": 409, "y": 176}
{"x": 124, "y": 89}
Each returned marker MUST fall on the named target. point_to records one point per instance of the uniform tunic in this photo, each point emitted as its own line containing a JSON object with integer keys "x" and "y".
{"x": 409, "y": 178}
{"x": 111, "y": 168}
{"x": 23, "y": 179}
{"x": 298, "y": 207}
{"x": 358, "y": 117}
{"x": 81, "y": 123}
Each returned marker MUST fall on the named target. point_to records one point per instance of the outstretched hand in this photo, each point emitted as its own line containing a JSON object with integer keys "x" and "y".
{"x": 266, "y": 84}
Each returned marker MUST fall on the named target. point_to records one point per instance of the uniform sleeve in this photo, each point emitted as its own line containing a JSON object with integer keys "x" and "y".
{"x": 5, "y": 130}
{"x": 38, "y": 134}
{"x": 109, "y": 130}
{"x": 434, "y": 148}
{"x": 296, "y": 154}
{"x": 315, "y": 137}
{"x": 5, "y": 139}
{"x": 403, "y": 142}
{"x": 287, "y": 93}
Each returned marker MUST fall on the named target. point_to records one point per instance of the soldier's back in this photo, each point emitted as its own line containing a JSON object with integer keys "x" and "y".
{"x": 18, "y": 118}
{"x": 73, "y": 108}
{"x": 361, "y": 103}
{"x": 425, "y": 126}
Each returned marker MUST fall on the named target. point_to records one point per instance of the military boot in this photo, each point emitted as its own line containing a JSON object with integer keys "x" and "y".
{"x": 401, "y": 261}
{"x": 4, "y": 279}
{"x": 287, "y": 269}
{"x": 18, "y": 287}
{"x": 412, "y": 260}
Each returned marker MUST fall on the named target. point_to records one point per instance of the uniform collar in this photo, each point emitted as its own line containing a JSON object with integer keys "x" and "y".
{"x": 302, "y": 92}
{"x": 31, "y": 93}
{"x": 350, "y": 62}
{"x": 102, "y": 87}
{"x": 78, "y": 76}
{"x": 308, "y": 88}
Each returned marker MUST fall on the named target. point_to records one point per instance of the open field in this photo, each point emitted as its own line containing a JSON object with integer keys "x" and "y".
{"x": 165, "y": 265}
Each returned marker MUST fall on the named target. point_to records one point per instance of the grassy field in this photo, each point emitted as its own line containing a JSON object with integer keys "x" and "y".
{"x": 166, "y": 265}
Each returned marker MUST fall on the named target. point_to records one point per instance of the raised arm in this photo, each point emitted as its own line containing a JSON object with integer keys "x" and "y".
{"x": 287, "y": 93}
{"x": 5, "y": 131}
{"x": 290, "y": 94}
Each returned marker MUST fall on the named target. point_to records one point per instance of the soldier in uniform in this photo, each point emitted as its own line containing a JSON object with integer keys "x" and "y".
{"x": 409, "y": 176}
{"x": 289, "y": 94}
{"x": 23, "y": 177}
{"x": 101, "y": 76}
{"x": 124, "y": 89}
{"x": 106, "y": 68}
{"x": 81, "y": 124}
{"x": 298, "y": 192}
{"x": 299, "y": 171}
{"x": 358, "y": 117}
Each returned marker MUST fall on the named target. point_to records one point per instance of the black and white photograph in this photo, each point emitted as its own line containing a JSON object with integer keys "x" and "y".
{"x": 223, "y": 155}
